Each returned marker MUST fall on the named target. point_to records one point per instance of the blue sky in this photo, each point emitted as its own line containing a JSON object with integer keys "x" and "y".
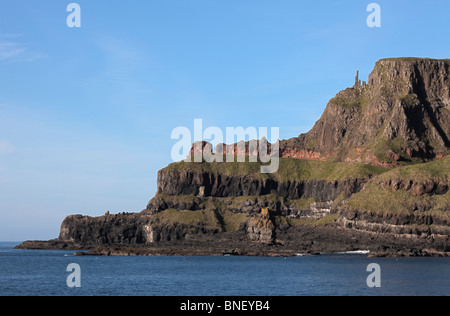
{"x": 86, "y": 114}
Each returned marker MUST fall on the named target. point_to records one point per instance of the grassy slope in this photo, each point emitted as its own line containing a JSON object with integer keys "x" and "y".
{"x": 438, "y": 170}
{"x": 376, "y": 198}
{"x": 289, "y": 169}
{"x": 214, "y": 213}
{"x": 205, "y": 218}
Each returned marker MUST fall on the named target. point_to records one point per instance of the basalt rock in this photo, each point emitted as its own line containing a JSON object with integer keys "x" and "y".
{"x": 261, "y": 228}
{"x": 194, "y": 182}
{"x": 417, "y": 188}
{"x": 108, "y": 229}
{"x": 402, "y": 112}
{"x": 399, "y": 119}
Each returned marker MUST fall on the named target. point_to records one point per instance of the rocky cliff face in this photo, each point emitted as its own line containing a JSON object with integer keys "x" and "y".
{"x": 109, "y": 229}
{"x": 402, "y": 113}
{"x": 205, "y": 184}
{"x": 399, "y": 119}
{"x": 194, "y": 203}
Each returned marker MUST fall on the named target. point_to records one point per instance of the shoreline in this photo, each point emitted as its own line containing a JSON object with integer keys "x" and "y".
{"x": 184, "y": 250}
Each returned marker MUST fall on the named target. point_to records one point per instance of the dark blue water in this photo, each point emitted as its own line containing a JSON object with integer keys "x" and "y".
{"x": 43, "y": 272}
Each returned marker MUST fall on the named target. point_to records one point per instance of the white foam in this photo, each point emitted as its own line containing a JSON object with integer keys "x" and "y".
{"x": 359, "y": 252}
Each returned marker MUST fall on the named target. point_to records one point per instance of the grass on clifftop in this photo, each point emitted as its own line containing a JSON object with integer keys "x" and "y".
{"x": 376, "y": 198}
{"x": 327, "y": 219}
{"x": 413, "y": 59}
{"x": 205, "y": 218}
{"x": 379, "y": 200}
{"x": 438, "y": 169}
{"x": 289, "y": 169}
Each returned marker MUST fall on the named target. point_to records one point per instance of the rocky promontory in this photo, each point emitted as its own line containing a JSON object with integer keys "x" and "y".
{"x": 372, "y": 174}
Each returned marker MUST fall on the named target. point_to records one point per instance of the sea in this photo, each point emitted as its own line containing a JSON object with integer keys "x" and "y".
{"x": 59, "y": 273}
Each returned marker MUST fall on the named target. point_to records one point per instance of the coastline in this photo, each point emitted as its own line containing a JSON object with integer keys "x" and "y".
{"x": 181, "y": 249}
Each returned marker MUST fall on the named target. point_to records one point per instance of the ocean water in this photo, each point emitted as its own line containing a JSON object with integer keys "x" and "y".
{"x": 44, "y": 272}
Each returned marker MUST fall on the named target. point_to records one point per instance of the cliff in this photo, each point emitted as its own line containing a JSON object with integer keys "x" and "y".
{"x": 401, "y": 114}
{"x": 207, "y": 183}
{"x": 408, "y": 200}
{"x": 373, "y": 174}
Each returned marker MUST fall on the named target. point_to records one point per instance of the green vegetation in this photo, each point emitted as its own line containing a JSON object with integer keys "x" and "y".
{"x": 216, "y": 213}
{"x": 409, "y": 100}
{"x": 377, "y": 198}
{"x": 327, "y": 219}
{"x": 204, "y": 218}
{"x": 350, "y": 98}
{"x": 177, "y": 199}
{"x": 414, "y": 59}
{"x": 346, "y": 103}
{"x": 289, "y": 169}
{"x": 338, "y": 200}
{"x": 295, "y": 169}
{"x": 210, "y": 218}
{"x": 383, "y": 146}
{"x": 438, "y": 169}
{"x": 312, "y": 144}
{"x": 232, "y": 221}
{"x": 303, "y": 203}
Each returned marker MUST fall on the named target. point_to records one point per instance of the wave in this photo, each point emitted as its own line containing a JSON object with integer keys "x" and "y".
{"x": 359, "y": 252}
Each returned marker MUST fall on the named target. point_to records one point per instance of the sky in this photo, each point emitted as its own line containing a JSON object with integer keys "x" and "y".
{"x": 86, "y": 114}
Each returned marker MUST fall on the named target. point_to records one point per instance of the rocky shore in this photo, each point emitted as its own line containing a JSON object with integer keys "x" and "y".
{"x": 372, "y": 174}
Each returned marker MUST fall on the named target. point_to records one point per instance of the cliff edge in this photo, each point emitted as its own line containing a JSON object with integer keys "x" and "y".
{"x": 372, "y": 174}
{"x": 402, "y": 114}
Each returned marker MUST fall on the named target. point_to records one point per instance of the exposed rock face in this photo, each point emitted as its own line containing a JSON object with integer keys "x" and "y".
{"x": 415, "y": 223}
{"x": 261, "y": 228}
{"x": 194, "y": 182}
{"x": 109, "y": 229}
{"x": 417, "y": 188}
{"x": 402, "y": 113}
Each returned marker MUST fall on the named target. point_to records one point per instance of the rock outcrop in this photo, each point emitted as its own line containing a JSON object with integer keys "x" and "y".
{"x": 402, "y": 113}
{"x": 260, "y": 228}
{"x": 373, "y": 173}
{"x": 205, "y": 184}
{"x": 417, "y": 188}
{"x": 108, "y": 229}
